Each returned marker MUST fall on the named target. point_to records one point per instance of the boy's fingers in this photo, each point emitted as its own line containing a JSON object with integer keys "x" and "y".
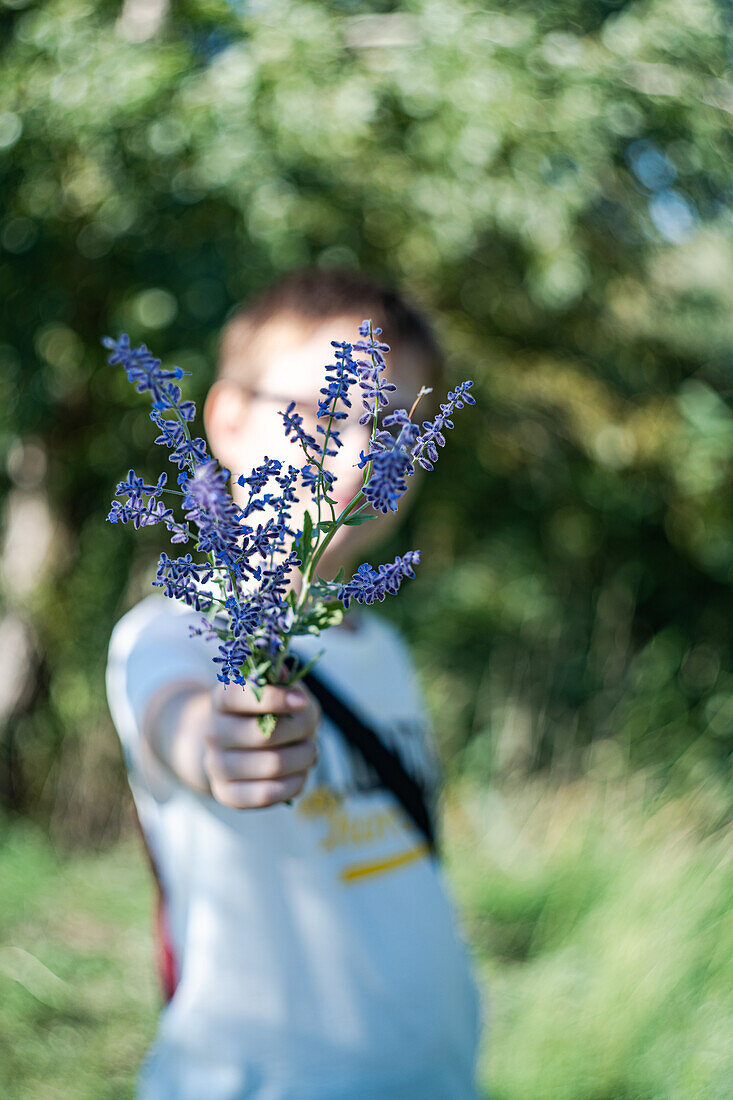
{"x": 268, "y": 763}
{"x": 231, "y": 731}
{"x": 256, "y": 794}
{"x": 233, "y": 699}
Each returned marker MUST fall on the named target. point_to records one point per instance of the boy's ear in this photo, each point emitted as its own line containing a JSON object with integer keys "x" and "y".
{"x": 225, "y": 409}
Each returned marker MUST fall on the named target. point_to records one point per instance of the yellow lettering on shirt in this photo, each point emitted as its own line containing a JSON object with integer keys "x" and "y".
{"x": 344, "y": 829}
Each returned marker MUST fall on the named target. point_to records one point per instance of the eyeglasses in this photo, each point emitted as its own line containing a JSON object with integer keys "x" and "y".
{"x": 306, "y": 407}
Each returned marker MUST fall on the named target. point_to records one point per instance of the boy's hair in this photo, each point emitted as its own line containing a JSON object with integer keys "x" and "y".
{"x": 306, "y": 298}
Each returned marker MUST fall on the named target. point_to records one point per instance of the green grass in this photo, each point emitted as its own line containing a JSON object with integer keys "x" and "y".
{"x": 599, "y": 919}
{"x": 602, "y": 927}
{"x": 78, "y": 1000}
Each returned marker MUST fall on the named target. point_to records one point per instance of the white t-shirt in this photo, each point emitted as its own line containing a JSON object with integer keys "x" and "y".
{"x": 317, "y": 951}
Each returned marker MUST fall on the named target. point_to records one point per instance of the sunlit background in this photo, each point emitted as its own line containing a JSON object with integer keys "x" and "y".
{"x": 551, "y": 180}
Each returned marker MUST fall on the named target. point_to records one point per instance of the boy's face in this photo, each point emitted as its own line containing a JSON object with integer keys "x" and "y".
{"x": 245, "y": 426}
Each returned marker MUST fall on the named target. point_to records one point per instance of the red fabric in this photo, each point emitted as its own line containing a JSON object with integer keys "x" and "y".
{"x": 165, "y": 956}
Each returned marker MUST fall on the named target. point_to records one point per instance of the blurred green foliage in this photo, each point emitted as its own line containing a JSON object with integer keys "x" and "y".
{"x": 599, "y": 918}
{"x": 550, "y": 179}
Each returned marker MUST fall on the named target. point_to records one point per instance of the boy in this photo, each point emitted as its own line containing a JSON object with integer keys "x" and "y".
{"x": 309, "y": 949}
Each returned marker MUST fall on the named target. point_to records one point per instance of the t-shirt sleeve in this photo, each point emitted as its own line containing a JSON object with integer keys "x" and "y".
{"x": 151, "y": 647}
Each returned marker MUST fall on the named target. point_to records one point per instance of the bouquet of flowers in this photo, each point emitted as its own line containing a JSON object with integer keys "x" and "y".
{"x": 242, "y": 577}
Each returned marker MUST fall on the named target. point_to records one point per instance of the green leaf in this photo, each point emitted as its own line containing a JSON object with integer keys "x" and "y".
{"x": 267, "y": 723}
{"x": 354, "y": 521}
{"x": 307, "y": 530}
{"x": 320, "y": 618}
{"x": 303, "y": 547}
{"x": 260, "y": 669}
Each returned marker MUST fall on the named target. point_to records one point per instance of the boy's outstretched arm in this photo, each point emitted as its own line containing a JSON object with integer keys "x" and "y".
{"x": 210, "y": 740}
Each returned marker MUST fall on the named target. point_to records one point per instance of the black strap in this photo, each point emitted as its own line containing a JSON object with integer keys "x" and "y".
{"x": 386, "y": 763}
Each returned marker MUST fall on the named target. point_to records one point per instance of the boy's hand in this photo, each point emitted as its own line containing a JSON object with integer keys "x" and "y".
{"x": 247, "y": 770}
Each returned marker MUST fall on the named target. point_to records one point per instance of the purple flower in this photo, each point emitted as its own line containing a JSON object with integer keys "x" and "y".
{"x": 374, "y": 395}
{"x": 265, "y": 538}
{"x": 184, "y": 451}
{"x": 391, "y": 463}
{"x": 425, "y": 450}
{"x": 309, "y": 475}
{"x": 244, "y": 617}
{"x": 374, "y": 389}
{"x": 257, "y": 481}
{"x": 180, "y": 577}
{"x": 340, "y": 377}
{"x": 144, "y": 371}
{"x": 233, "y": 654}
{"x": 260, "y": 475}
{"x": 255, "y": 624}
{"x": 287, "y": 482}
{"x": 368, "y": 585}
{"x": 293, "y": 423}
{"x": 136, "y": 488}
{"x": 277, "y": 615}
{"x": 207, "y": 503}
{"x": 145, "y": 514}
{"x": 375, "y": 349}
{"x": 205, "y": 630}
